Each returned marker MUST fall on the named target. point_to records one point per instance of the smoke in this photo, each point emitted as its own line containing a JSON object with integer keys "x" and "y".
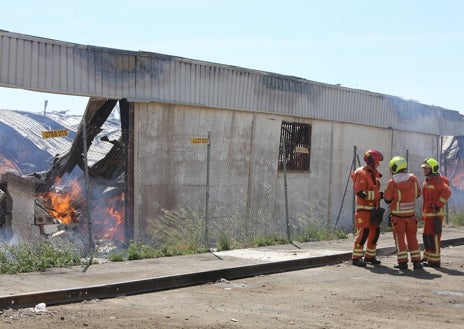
{"x": 7, "y": 236}
{"x": 453, "y": 167}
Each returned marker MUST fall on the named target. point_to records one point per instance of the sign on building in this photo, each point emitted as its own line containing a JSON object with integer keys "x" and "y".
{"x": 199, "y": 140}
{"x": 54, "y": 133}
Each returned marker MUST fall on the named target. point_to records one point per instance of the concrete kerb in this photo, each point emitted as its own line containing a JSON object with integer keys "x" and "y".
{"x": 270, "y": 261}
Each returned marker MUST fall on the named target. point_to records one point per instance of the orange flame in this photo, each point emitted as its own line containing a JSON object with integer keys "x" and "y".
{"x": 60, "y": 204}
{"x": 107, "y": 223}
{"x": 115, "y": 224}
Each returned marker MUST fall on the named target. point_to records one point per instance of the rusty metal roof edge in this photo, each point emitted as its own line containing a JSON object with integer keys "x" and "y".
{"x": 196, "y": 61}
{"x": 256, "y": 91}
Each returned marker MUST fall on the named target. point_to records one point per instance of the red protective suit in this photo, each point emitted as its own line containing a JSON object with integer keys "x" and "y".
{"x": 435, "y": 193}
{"x": 367, "y": 189}
{"x": 401, "y": 193}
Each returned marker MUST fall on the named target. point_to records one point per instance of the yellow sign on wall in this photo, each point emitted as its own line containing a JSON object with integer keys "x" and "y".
{"x": 54, "y": 133}
{"x": 300, "y": 149}
{"x": 199, "y": 140}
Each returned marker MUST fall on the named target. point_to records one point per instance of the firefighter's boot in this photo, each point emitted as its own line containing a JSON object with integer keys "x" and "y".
{"x": 372, "y": 260}
{"x": 417, "y": 265}
{"x": 358, "y": 262}
{"x": 402, "y": 266}
{"x": 429, "y": 264}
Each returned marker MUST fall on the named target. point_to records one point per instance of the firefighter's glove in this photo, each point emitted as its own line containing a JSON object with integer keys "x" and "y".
{"x": 381, "y": 196}
{"x": 436, "y": 208}
{"x": 362, "y": 194}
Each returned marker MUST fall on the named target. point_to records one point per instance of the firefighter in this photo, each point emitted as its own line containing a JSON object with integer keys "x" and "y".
{"x": 435, "y": 193}
{"x": 400, "y": 194}
{"x": 366, "y": 183}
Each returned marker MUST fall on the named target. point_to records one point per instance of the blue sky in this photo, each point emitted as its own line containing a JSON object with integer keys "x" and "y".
{"x": 413, "y": 49}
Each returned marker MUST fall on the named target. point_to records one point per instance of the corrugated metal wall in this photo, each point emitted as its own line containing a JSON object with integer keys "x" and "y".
{"x": 52, "y": 66}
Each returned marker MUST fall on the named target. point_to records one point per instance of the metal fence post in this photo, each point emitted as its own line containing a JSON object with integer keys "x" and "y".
{"x": 86, "y": 179}
{"x": 208, "y": 155}
{"x": 353, "y": 200}
{"x": 287, "y": 221}
{"x": 443, "y": 160}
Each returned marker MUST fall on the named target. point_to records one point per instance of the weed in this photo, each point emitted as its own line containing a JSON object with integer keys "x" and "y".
{"x": 35, "y": 257}
{"x": 310, "y": 227}
{"x": 141, "y": 251}
{"x": 455, "y": 218}
{"x": 179, "y": 231}
{"x": 116, "y": 256}
{"x": 224, "y": 242}
{"x": 271, "y": 240}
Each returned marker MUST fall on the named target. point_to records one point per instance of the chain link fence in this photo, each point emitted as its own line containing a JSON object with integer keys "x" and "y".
{"x": 194, "y": 188}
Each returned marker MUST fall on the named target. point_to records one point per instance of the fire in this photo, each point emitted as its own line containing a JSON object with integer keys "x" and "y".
{"x": 115, "y": 223}
{"x": 60, "y": 204}
{"x": 66, "y": 205}
{"x": 108, "y": 222}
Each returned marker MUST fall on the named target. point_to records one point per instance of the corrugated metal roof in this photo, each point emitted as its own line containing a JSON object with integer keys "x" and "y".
{"x": 52, "y": 66}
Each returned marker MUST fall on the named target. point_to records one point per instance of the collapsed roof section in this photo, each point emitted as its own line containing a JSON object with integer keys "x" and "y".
{"x": 43, "y": 202}
{"x": 110, "y": 167}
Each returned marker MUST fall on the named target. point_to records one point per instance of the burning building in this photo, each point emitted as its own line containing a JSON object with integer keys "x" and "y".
{"x": 214, "y": 138}
{"x": 452, "y": 161}
{"x": 41, "y": 204}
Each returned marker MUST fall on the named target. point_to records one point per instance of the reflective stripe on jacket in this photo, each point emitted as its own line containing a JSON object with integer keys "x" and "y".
{"x": 435, "y": 192}
{"x": 366, "y": 179}
{"x": 402, "y": 191}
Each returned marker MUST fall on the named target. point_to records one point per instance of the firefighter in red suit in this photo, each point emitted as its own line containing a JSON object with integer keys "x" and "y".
{"x": 400, "y": 194}
{"x": 435, "y": 193}
{"x": 366, "y": 185}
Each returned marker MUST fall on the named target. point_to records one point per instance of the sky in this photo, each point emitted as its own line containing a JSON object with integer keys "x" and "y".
{"x": 413, "y": 49}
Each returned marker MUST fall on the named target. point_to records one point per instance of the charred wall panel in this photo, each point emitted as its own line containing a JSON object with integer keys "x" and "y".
{"x": 23, "y": 194}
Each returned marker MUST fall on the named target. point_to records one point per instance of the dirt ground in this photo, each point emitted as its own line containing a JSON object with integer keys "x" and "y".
{"x": 339, "y": 296}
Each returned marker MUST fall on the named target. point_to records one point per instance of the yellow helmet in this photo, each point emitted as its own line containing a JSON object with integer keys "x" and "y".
{"x": 397, "y": 164}
{"x": 432, "y": 164}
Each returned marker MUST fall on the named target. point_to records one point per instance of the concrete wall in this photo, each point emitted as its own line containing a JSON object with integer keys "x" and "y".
{"x": 22, "y": 192}
{"x": 325, "y": 195}
{"x": 170, "y": 171}
{"x": 416, "y": 147}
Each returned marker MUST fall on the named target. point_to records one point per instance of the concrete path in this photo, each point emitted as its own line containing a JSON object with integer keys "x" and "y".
{"x": 111, "y": 272}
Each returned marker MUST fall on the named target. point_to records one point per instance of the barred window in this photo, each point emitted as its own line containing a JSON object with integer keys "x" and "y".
{"x": 297, "y": 139}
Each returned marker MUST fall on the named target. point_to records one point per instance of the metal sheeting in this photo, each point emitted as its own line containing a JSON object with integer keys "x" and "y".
{"x": 52, "y": 66}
